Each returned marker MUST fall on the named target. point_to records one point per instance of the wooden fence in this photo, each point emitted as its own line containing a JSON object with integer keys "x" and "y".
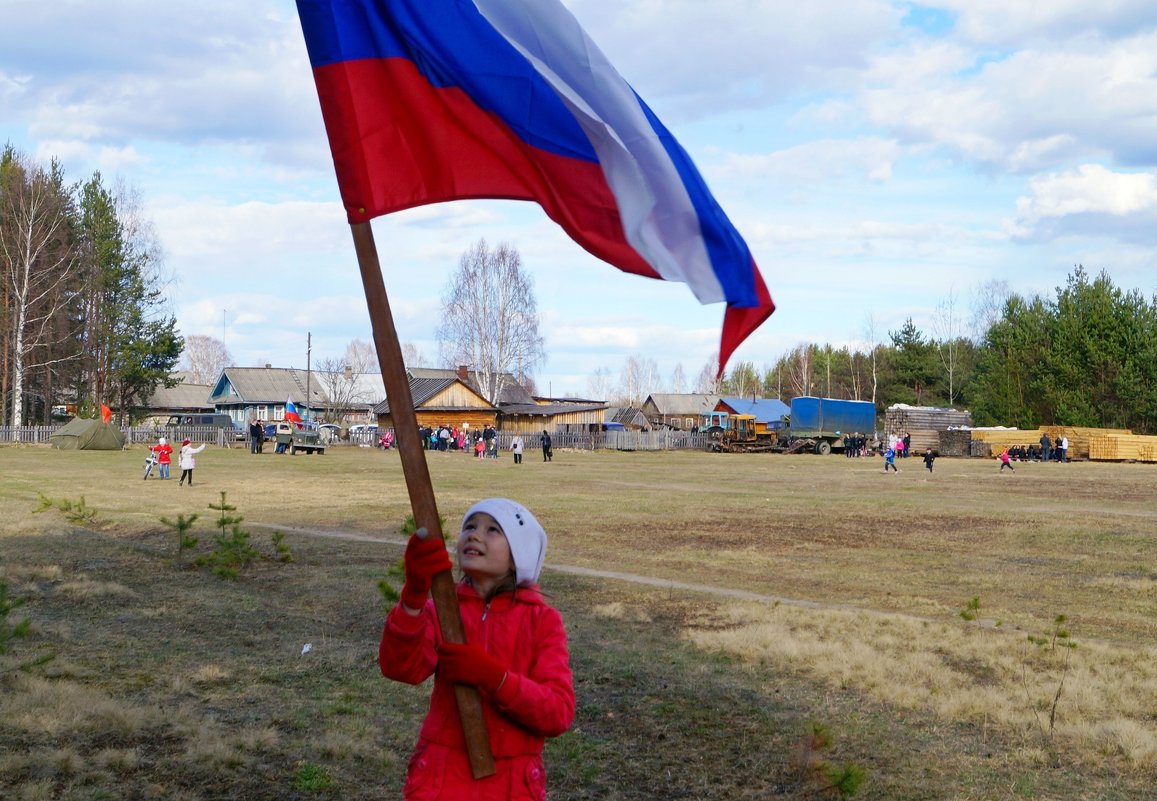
{"x": 599, "y": 440}
{"x": 134, "y": 435}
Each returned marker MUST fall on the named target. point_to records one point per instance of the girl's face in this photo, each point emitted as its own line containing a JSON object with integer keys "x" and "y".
{"x": 483, "y": 552}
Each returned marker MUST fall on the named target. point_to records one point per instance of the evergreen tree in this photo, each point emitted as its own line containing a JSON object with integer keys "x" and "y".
{"x": 132, "y": 345}
{"x": 915, "y": 367}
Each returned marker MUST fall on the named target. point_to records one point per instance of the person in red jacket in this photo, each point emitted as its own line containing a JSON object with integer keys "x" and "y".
{"x": 164, "y": 452}
{"x": 515, "y": 655}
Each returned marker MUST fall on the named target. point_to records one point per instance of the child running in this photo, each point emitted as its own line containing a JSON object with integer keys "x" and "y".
{"x": 515, "y": 655}
{"x": 890, "y": 459}
{"x": 1006, "y": 461}
{"x": 929, "y": 458}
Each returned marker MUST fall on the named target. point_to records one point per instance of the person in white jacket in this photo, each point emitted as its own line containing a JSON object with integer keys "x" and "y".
{"x": 188, "y": 462}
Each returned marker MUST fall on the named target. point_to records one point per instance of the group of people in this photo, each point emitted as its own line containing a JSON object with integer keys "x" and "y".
{"x": 481, "y": 443}
{"x": 855, "y": 446}
{"x": 256, "y": 436}
{"x": 1045, "y": 453}
{"x": 186, "y": 459}
{"x": 900, "y": 448}
{"x": 443, "y": 438}
{"x": 1053, "y": 452}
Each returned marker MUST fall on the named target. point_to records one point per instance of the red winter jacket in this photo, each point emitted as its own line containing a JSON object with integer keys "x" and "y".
{"x": 535, "y": 701}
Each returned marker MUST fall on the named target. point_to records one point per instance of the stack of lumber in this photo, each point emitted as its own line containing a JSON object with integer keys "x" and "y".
{"x": 1114, "y": 446}
{"x": 997, "y": 439}
{"x": 923, "y": 423}
{"x": 1079, "y": 437}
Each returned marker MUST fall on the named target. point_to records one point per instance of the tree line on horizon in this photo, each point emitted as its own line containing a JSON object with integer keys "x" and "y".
{"x": 83, "y": 318}
{"x": 1085, "y": 357}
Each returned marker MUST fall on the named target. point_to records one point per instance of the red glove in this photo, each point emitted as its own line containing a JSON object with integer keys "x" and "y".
{"x": 425, "y": 558}
{"x": 470, "y": 664}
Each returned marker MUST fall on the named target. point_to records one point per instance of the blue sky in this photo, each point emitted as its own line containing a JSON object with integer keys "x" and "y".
{"x": 879, "y": 158}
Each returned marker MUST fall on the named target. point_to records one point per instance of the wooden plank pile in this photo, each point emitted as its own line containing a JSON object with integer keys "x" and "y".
{"x": 1079, "y": 437}
{"x": 1113, "y": 446}
{"x": 924, "y": 424}
{"x": 995, "y": 440}
{"x": 1106, "y": 444}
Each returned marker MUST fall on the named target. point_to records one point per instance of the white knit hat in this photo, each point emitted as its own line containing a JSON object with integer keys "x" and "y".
{"x": 526, "y": 536}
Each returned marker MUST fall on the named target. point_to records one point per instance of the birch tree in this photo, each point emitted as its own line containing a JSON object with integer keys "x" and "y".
{"x": 599, "y": 383}
{"x": 490, "y": 318}
{"x": 946, "y": 327}
{"x": 39, "y": 263}
{"x": 708, "y": 381}
{"x": 800, "y": 370}
{"x": 638, "y": 379}
{"x": 204, "y": 358}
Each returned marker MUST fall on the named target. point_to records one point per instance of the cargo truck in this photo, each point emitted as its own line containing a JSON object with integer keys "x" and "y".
{"x": 820, "y": 424}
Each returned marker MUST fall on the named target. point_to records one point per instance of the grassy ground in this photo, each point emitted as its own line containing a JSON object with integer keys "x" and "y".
{"x": 170, "y": 683}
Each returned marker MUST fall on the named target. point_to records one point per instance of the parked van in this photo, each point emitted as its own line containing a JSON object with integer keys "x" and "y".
{"x": 218, "y": 420}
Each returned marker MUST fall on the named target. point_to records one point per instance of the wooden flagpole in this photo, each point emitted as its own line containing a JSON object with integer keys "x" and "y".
{"x": 418, "y": 483}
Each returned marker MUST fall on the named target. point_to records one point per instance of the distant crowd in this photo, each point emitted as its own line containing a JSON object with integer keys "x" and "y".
{"x": 1045, "y": 451}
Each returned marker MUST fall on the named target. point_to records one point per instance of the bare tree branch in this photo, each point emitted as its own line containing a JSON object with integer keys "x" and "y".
{"x": 490, "y": 318}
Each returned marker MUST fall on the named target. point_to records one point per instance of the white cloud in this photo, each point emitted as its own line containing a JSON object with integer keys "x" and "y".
{"x": 1026, "y": 110}
{"x": 821, "y": 160}
{"x": 999, "y": 22}
{"x": 1087, "y": 198}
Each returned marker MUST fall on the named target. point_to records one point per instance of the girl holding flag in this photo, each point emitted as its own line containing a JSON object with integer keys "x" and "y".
{"x": 515, "y": 654}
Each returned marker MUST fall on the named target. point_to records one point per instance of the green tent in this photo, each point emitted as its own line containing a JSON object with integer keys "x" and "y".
{"x": 82, "y": 434}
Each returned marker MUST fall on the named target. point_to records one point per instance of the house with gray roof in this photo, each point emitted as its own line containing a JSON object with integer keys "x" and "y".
{"x": 681, "y": 411}
{"x": 184, "y": 398}
{"x": 260, "y": 393}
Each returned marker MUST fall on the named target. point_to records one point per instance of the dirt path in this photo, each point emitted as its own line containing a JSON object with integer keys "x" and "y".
{"x": 574, "y": 570}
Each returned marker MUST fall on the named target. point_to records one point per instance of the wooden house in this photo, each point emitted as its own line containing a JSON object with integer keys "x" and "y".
{"x": 260, "y": 393}
{"x": 520, "y": 412}
{"x": 443, "y": 402}
{"x": 679, "y": 411}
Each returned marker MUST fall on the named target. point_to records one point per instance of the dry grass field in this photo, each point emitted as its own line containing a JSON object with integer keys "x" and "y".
{"x": 720, "y": 608}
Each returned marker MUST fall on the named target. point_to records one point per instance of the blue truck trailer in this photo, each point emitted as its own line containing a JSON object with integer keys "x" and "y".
{"x": 820, "y": 424}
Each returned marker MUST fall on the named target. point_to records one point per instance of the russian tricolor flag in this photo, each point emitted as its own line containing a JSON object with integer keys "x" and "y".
{"x": 434, "y": 100}
{"x": 291, "y": 413}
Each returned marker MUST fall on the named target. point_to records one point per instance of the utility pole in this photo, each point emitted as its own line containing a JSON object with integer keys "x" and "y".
{"x": 308, "y": 351}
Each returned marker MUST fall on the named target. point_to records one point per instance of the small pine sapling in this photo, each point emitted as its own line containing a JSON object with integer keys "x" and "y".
{"x": 185, "y": 540}
{"x": 810, "y": 765}
{"x": 12, "y": 631}
{"x": 77, "y": 512}
{"x": 971, "y": 610}
{"x": 281, "y": 547}
{"x": 1057, "y": 637}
